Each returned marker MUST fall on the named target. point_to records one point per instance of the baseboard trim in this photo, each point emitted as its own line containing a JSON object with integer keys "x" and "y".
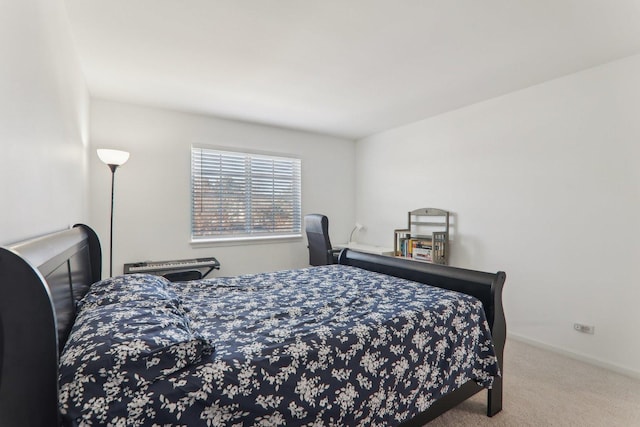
{"x": 577, "y": 356}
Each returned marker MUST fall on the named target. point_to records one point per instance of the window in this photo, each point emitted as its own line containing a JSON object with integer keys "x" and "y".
{"x": 238, "y": 196}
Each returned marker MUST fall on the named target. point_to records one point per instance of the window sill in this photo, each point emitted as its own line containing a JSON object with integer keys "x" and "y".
{"x": 236, "y": 241}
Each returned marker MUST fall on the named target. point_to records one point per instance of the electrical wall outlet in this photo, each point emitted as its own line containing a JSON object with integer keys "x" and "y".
{"x": 585, "y": 329}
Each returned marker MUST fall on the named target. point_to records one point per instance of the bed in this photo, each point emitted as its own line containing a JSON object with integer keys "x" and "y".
{"x": 346, "y": 344}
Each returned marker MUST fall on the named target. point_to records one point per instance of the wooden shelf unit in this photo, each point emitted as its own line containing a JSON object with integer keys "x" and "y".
{"x": 426, "y": 237}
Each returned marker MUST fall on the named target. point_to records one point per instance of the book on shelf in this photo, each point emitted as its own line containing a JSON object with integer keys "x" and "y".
{"x": 403, "y": 246}
{"x": 416, "y": 248}
{"x": 423, "y": 254}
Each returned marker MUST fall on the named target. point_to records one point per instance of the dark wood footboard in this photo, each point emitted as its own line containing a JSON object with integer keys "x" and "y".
{"x": 487, "y": 287}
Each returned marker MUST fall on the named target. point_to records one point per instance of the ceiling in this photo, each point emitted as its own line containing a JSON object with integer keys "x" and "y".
{"x": 348, "y": 68}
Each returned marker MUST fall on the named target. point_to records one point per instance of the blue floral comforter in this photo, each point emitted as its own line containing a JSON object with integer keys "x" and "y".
{"x": 321, "y": 346}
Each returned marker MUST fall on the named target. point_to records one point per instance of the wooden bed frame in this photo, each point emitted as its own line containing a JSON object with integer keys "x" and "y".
{"x": 42, "y": 279}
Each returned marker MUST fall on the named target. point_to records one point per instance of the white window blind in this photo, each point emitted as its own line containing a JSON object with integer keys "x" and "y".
{"x": 244, "y": 196}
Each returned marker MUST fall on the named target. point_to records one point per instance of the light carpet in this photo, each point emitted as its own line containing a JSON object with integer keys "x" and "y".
{"x": 543, "y": 388}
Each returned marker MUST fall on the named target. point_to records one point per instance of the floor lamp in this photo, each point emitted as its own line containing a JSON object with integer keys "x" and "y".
{"x": 113, "y": 159}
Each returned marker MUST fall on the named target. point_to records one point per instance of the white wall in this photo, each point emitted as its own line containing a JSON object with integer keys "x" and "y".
{"x": 152, "y": 195}
{"x": 43, "y": 122}
{"x": 544, "y": 184}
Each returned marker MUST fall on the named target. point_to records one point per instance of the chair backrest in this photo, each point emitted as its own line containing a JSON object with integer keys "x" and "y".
{"x": 317, "y": 228}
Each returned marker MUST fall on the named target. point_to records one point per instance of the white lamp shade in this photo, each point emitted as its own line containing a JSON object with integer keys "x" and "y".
{"x": 113, "y": 157}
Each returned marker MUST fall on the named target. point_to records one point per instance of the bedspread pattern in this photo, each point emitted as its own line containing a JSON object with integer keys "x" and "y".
{"x": 331, "y": 345}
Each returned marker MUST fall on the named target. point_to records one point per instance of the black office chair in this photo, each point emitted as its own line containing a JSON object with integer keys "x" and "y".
{"x": 320, "y": 251}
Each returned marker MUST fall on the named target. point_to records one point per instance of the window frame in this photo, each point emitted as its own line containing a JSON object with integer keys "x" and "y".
{"x": 250, "y": 236}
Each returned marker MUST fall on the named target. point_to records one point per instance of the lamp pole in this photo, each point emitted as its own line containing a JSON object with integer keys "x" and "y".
{"x": 113, "y": 159}
{"x": 113, "y": 180}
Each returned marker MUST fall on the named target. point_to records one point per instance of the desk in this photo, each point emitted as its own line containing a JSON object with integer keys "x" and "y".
{"x": 361, "y": 247}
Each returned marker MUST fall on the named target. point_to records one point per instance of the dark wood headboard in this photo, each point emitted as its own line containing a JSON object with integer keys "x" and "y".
{"x": 41, "y": 281}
